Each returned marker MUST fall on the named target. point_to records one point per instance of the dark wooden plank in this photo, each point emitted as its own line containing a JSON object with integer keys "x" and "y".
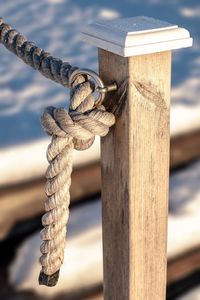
{"x": 26, "y": 200}
{"x": 184, "y": 148}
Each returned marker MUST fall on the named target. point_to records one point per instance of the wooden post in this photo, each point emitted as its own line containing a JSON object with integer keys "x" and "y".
{"x": 135, "y": 154}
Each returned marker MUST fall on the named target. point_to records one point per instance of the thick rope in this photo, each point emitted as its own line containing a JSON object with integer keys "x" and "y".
{"x": 50, "y": 67}
{"x": 74, "y": 129}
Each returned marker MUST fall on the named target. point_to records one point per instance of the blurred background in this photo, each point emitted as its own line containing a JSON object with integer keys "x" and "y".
{"x": 55, "y": 25}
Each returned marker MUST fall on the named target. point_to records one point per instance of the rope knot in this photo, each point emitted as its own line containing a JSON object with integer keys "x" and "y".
{"x": 75, "y": 128}
{"x": 83, "y": 120}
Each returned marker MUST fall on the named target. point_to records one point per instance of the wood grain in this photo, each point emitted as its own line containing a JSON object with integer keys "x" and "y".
{"x": 177, "y": 269}
{"x": 135, "y": 178}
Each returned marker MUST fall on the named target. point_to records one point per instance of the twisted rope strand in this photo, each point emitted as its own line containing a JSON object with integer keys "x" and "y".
{"x": 50, "y": 67}
{"x": 59, "y": 155}
{"x": 74, "y": 129}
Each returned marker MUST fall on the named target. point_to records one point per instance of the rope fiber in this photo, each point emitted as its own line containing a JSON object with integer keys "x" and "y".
{"x": 74, "y": 129}
{"x": 50, "y": 67}
{"x": 71, "y": 129}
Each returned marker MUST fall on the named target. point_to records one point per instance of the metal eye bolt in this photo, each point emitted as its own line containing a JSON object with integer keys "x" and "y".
{"x": 100, "y": 87}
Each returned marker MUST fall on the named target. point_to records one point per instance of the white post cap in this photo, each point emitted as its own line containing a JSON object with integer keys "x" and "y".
{"x": 136, "y": 36}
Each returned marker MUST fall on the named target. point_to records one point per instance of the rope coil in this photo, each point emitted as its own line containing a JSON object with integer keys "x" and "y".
{"x": 71, "y": 129}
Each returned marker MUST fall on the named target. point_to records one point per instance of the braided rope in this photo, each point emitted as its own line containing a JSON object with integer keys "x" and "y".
{"x": 50, "y": 67}
{"x": 74, "y": 129}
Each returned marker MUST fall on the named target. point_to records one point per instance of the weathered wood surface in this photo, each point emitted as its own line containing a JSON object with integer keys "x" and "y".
{"x": 135, "y": 175}
{"x": 177, "y": 269}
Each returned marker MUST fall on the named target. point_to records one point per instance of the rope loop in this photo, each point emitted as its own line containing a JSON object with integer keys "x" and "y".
{"x": 69, "y": 129}
{"x": 75, "y": 128}
{"x": 83, "y": 121}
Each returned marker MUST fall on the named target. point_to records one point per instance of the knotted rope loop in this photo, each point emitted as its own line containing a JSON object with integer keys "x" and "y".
{"x": 75, "y": 128}
{"x": 83, "y": 121}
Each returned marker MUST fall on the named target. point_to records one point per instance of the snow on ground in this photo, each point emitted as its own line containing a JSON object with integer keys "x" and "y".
{"x": 55, "y": 26}
{"x": 191, "y": 295}
{"x": 184, "y": 212}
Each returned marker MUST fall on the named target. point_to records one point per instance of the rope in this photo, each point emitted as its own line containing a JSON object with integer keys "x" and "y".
{"x": 71, "y": 129}
{"x": 74, "y": 129}
{"x": 50, "y": 67}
